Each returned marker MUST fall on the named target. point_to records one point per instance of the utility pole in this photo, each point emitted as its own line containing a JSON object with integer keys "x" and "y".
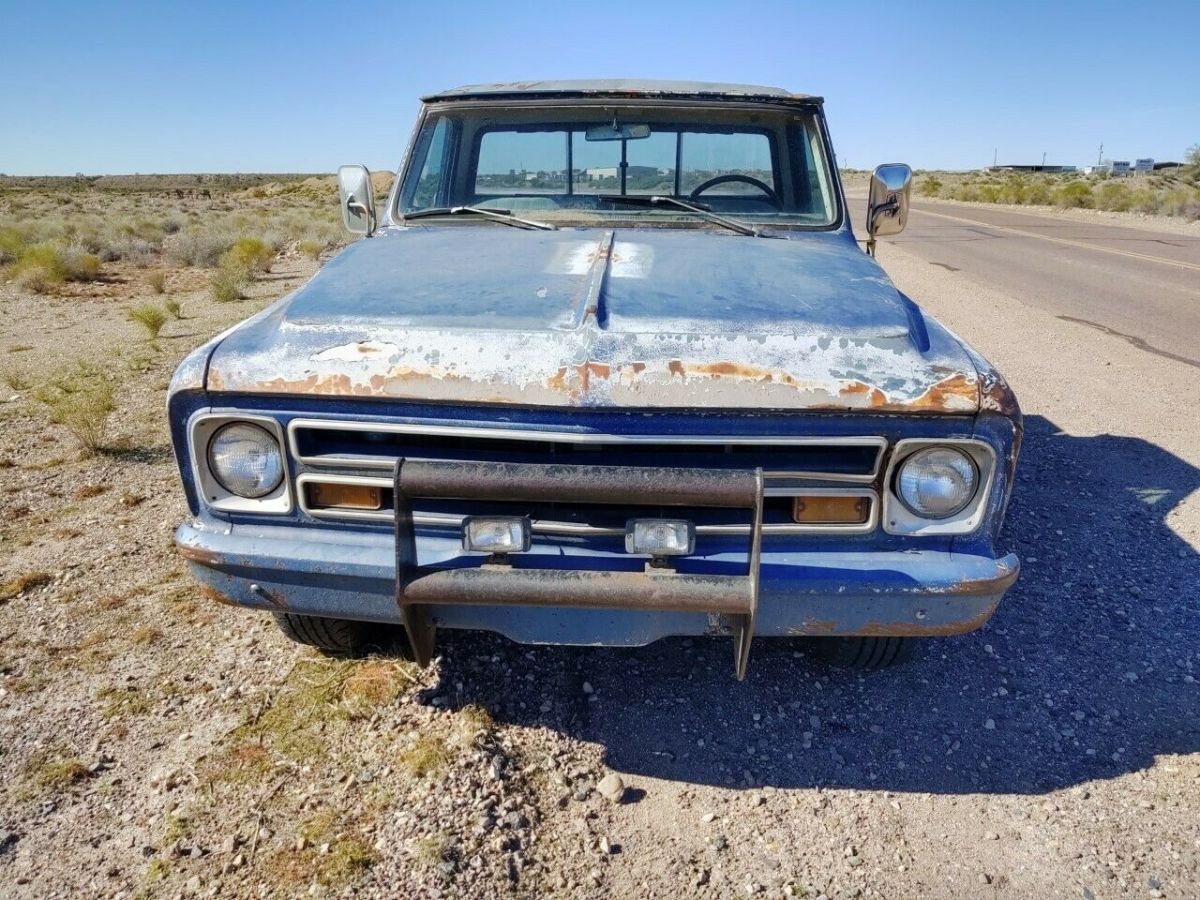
{"x": 995, "y": 153}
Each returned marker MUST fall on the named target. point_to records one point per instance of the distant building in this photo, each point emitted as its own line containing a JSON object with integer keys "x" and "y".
{"x": 1034, "y": 167}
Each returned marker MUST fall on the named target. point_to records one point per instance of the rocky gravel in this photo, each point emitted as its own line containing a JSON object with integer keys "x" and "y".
{"x": 152, "y": 744}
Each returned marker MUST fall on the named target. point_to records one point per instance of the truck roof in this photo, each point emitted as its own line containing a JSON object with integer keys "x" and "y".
{"x": 622, "y": 88}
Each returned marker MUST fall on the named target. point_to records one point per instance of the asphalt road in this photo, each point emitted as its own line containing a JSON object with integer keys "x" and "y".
{"x": 1142, "y": 285}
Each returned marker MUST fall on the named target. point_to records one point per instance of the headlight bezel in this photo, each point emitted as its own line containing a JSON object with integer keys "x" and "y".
{"x": 213, "y": 494}
{"x": 898, "y": 518}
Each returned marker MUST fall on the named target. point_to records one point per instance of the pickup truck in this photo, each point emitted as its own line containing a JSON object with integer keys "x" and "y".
{"x": 609, "y": 366}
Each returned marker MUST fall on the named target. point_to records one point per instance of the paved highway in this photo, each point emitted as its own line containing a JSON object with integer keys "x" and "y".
{"x": 1142, "y": 285}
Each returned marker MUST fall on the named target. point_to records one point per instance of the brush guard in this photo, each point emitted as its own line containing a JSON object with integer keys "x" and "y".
{"x": 419, "y": 589}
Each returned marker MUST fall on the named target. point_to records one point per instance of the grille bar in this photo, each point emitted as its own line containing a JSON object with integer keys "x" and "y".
{"x": 375, "y": 446}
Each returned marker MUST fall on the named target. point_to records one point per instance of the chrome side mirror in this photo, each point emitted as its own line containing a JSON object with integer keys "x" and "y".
{"x": 887, "y": 202}
{"x": 357, "y": 199}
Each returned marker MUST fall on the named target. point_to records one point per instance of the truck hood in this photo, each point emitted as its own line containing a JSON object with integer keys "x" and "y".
{"x": 631, "y": 318}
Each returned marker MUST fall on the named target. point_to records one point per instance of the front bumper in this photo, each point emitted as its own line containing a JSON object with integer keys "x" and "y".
{"x": 352, "y": 574}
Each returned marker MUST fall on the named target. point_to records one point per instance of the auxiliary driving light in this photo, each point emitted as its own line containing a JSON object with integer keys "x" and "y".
{"x": 660, "y": 537}
{"x": 496, "y": 534}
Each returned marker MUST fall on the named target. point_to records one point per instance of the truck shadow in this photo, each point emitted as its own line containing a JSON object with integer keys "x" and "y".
{"x": 1087, "y": 671}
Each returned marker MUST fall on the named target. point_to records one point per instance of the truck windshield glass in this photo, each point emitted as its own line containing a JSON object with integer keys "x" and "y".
{"x": 762, "y": 165}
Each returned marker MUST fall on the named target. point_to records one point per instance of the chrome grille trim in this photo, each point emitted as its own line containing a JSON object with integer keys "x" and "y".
{"x": 385, "y": 463}
{"x": 575, "y": 529}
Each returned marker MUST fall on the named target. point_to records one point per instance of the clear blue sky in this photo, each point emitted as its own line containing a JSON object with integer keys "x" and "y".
{"x": 297, "y": 86}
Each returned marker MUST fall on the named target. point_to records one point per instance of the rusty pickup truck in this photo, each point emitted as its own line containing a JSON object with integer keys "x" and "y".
{"x": 609, "y": 366}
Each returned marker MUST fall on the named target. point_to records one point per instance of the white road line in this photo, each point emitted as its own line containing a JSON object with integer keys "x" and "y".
{"x": 1055, "y": 240}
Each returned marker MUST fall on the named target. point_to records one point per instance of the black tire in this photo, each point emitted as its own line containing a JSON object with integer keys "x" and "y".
{"x": 862, "y": 652}
{"x": 342, "y": 637}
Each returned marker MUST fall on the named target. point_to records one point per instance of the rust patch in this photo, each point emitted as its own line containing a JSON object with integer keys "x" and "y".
{"x": 198, "y": 555}
{"x": 211, "y": 593}
{"x": 675, "y": 367}
{"x": 901, "y": 628}
{"x": 638, "y": 368}
{"x": 916, "y": 629}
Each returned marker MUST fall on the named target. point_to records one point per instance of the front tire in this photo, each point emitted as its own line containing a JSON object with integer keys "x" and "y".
{"x": 341, "y": 637}
{"x": 864, "y": 652}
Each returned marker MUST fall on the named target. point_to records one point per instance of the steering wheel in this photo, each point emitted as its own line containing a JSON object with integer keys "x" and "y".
{"x": 772, "y": 197}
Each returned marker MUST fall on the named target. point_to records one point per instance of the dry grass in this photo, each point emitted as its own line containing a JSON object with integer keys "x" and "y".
{"x": 59, "y": 773}
{"x": 122, "y": 702}
{"x": 15, "y": 587}
{"x": 333, "y": 854}
{"x": 157, "y": 281}
{"x": 428, "y": 755}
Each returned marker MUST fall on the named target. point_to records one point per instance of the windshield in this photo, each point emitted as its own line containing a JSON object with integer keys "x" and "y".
{"x": 573, "y": 164}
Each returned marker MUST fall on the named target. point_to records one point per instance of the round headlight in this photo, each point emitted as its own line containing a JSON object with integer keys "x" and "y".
{"x": 938, "y": 482}
{"x": 245, "y": 459}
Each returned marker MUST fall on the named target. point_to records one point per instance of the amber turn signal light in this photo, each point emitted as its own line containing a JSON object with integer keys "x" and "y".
{"x": 331, "y": 495}
{"x": 831, "y": 510}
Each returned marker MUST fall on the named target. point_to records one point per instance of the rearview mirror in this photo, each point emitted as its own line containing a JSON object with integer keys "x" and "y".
{"x": 615, "y": 132}
{"x": 887, "y": 202}
{"x": 357, "y": 199}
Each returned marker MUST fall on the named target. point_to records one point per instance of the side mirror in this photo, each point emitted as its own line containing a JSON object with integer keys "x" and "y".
{"x": 357, "y": 199}
{"x": 887, "y": 202}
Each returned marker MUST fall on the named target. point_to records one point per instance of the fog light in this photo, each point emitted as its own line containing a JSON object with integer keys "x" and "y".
{"x": 496, "y": 534}
{"x": 660, "y": 537}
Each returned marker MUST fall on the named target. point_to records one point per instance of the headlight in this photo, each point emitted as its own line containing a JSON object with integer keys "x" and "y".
{"x": 937, "y": 483}
{"x": 245, "y": 459}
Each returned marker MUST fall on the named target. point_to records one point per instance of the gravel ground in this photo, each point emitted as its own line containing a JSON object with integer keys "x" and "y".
{"x": 152, "y": 744}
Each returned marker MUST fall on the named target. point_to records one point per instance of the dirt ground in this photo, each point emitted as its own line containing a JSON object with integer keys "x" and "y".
{"x": 154, "y": 744}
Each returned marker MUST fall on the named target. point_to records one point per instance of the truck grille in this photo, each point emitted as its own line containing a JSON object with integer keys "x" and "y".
{"x": 355, "y": 452}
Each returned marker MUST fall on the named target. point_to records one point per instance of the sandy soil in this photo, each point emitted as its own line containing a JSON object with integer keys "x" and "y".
{"x": 152, "y": 744}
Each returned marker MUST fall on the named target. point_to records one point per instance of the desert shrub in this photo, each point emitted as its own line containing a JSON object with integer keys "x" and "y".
{"x": 12, "y": 242}
{"x": 929, "y": 187}
{"x": 150, "y": 317}
{"x": 81, "y": 400}
{"x": 157, "y": 280}
{"x": 1039, "y": 194}
{"x": 249, "y": 254}
{"x": 1014, "y": 191}
{"x": 81, "y": 266}
{"x": 171, "y": 305}
{"x": 1114, "y": 196}
{"x": 1180, "y": 202}
{"x": 989, "y": 193}
{"x": 228, "y": 284}
{"x": 45, "y": 261}
{"x": 1074, "y": 195}
{"x": 198, "y": 246}
{"x": 42, "y": 266}
{"x": 967, "y": 192}
{"x": 129, "y": 248}
{"x": 311, "y": 249}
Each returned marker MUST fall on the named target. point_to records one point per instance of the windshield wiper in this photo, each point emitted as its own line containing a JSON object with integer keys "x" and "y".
{"x": 500, "y": 215}
{"x": 703, "y": 212}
